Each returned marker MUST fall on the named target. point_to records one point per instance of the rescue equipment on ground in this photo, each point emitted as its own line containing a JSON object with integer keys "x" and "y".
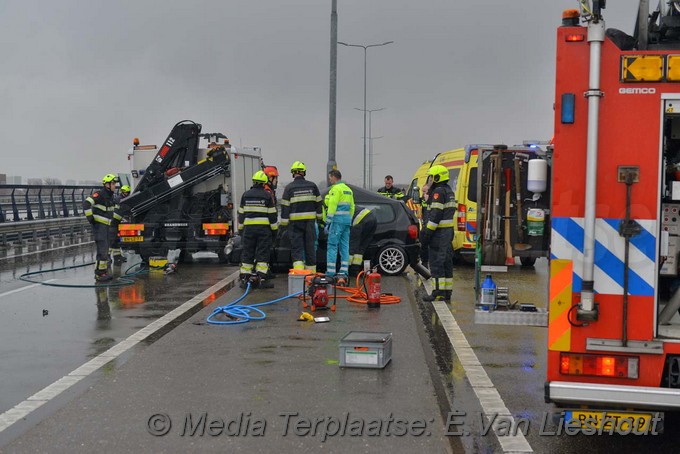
{"x": 365, "y": 349}
{"x": 318, "y": 289}
{"x": 374, "y": 288}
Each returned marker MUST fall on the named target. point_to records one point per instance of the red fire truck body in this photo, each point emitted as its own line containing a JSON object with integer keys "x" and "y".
{"x": 614, "y": 330}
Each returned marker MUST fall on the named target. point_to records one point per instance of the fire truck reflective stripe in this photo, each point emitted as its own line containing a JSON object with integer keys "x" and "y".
{"x": 567, "y": 243}
{"x": 645, "y": 241}
{"x": 559, "y": 329}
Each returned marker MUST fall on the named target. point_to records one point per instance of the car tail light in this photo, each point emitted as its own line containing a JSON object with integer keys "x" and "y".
{"x": 413, "y": 231}
{"x": 130, "y": 229}
{"x": 599, "y": 365}
{"x": 462, "y": 210}
{"x": 215, "y": 229}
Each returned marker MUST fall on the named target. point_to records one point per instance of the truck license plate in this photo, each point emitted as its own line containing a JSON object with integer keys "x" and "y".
{"x": 621, "y": 422}
{"x": 132, "y": 239}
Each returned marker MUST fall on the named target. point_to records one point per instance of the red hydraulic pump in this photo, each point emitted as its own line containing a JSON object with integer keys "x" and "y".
{"x": 318, "y": 290}
{"x": 373, "y": 289}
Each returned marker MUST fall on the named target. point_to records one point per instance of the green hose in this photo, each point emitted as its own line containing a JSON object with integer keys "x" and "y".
{"x": 118, "y": 282}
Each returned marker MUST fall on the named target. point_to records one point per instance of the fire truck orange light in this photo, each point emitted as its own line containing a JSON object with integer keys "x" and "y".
{"x": 574, "y": 38}
{"x": 570, "y": 13}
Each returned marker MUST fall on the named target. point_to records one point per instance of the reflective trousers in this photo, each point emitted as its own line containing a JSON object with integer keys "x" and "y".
{"x": 338, "y": 243}
{"x": 101, "y": 239}
{"x": 257, "y": 246}
{"x": 441, "y": 259}
{"x": 302, "y": 244}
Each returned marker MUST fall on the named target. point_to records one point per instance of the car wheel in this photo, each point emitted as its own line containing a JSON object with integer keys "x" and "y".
{"x": 527, "y": 261}
{"x": 392, "y": 260}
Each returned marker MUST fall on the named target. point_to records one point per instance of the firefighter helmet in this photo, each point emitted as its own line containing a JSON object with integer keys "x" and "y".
{"x": 260, "y": 177}
{"x": 125, "y": 189}
{"x": 109, "y": 178}
{"x": 298, "y": 167}
{"x": 439, "y": 173}
{"x": 271, "y": 171}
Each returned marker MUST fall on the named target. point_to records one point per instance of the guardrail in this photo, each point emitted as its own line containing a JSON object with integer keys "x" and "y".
{"x": 47, "y": 229}
{"x": 23, "y": 202}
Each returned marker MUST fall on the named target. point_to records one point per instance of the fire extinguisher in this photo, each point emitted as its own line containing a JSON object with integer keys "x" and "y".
{"x": 373, "y": 284}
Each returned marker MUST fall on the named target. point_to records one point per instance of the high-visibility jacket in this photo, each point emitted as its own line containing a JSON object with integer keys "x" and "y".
{"x": 340, "y": 204}
{"x": 301, "y": 201}
{"x": 392, "y": 193}
{"x": 101, "y": 207}
{"x": 442, "y": 209}
{"x": 257, "y": 208}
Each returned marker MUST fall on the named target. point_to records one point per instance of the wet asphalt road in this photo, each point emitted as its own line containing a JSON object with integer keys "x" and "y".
{"x": 514, "y": 358}
{"x": 39, "y": 348}
{"x": 46, "y": 332}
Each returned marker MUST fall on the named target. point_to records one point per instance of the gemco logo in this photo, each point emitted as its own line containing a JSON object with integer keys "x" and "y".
{"x": 637, "y": 91}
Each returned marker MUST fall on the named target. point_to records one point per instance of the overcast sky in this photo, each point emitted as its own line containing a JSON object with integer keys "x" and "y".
{"x": 80, "y": 79}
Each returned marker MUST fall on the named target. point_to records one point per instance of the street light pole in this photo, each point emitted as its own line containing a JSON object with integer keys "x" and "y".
{"x": 370, "y": 159}
{"x": 365, "y": 48}
{"x": 333, "y": 89}
{"x": 370, "y": 156}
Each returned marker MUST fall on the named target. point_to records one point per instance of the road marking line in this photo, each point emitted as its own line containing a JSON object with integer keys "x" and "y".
{"x": 11, "y": 292}
{"x": 20, "y": 411}
{"x": 489, "y": 398}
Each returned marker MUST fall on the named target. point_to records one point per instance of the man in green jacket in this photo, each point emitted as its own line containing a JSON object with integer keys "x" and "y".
{"x": 338, "y": 223}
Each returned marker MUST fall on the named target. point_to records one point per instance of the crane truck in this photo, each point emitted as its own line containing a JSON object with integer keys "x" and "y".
{"x": 186, "y": 194}
{"x": 613, "y": 354}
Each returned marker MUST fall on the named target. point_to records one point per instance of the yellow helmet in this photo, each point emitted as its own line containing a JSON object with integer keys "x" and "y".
{"x": 298, "y": 167}
{"x": 260, "y": 177}
{"x": 125, "y": 189}
{"x": 109, "y": 177}
{"x": 439, "y": 173}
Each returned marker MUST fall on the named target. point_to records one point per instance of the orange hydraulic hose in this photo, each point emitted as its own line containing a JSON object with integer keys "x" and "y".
{"x": 357, "y": 295}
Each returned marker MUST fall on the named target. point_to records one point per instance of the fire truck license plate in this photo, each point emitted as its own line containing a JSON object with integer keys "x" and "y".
{"x": 132, "y": 239}
{"x": 623, "y": 422}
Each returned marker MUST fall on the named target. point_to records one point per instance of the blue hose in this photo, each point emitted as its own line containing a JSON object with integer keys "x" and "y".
{"x": 243, "y": 313}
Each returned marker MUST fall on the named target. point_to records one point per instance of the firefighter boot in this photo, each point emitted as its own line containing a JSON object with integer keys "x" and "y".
{"x": 436, "y": 295}
{"x": 243, "y": 281}
{"x": 101, "y": 272}
{"x": 264, "y": 283}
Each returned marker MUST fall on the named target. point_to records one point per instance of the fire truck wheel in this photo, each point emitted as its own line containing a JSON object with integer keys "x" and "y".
{"x": 392, "y": 260}
{"x": 527, "y": 261}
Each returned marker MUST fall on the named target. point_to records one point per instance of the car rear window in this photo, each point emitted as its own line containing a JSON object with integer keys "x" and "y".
{"x": 472, "y": 185}
{"x": 384, "y": 212}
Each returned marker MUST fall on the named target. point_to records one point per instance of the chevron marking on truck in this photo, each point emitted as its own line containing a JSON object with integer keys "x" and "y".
{"x": 559, "y": 328}
{"x": 567, "y": 243}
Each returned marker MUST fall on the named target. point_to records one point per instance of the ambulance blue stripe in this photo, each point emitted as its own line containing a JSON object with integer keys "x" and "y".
{"x": 645, "y": 241}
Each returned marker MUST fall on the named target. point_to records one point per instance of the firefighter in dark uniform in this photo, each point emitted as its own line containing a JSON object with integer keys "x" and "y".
{"x": 360, "y": 236}
{"x": 389, "y": 190}
{"x": 114, "y": 246}
{"x": 301, "y": 208}
{"x": 100, "y": 209}
{"x": 257, "y": 223}
{"x": 437, "y": 234}
{"x": 273, "y": 181}
{"x": 425, "y": 214}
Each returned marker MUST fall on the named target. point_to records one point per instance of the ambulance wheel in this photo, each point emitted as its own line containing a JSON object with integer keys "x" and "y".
{"x": 527, "y": 261}
{"x": 392, "y": 260}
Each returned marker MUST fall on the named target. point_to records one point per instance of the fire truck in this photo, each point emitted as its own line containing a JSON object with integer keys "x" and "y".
{"x": 614, "y": 328}
{"x": 186, "y": 194}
